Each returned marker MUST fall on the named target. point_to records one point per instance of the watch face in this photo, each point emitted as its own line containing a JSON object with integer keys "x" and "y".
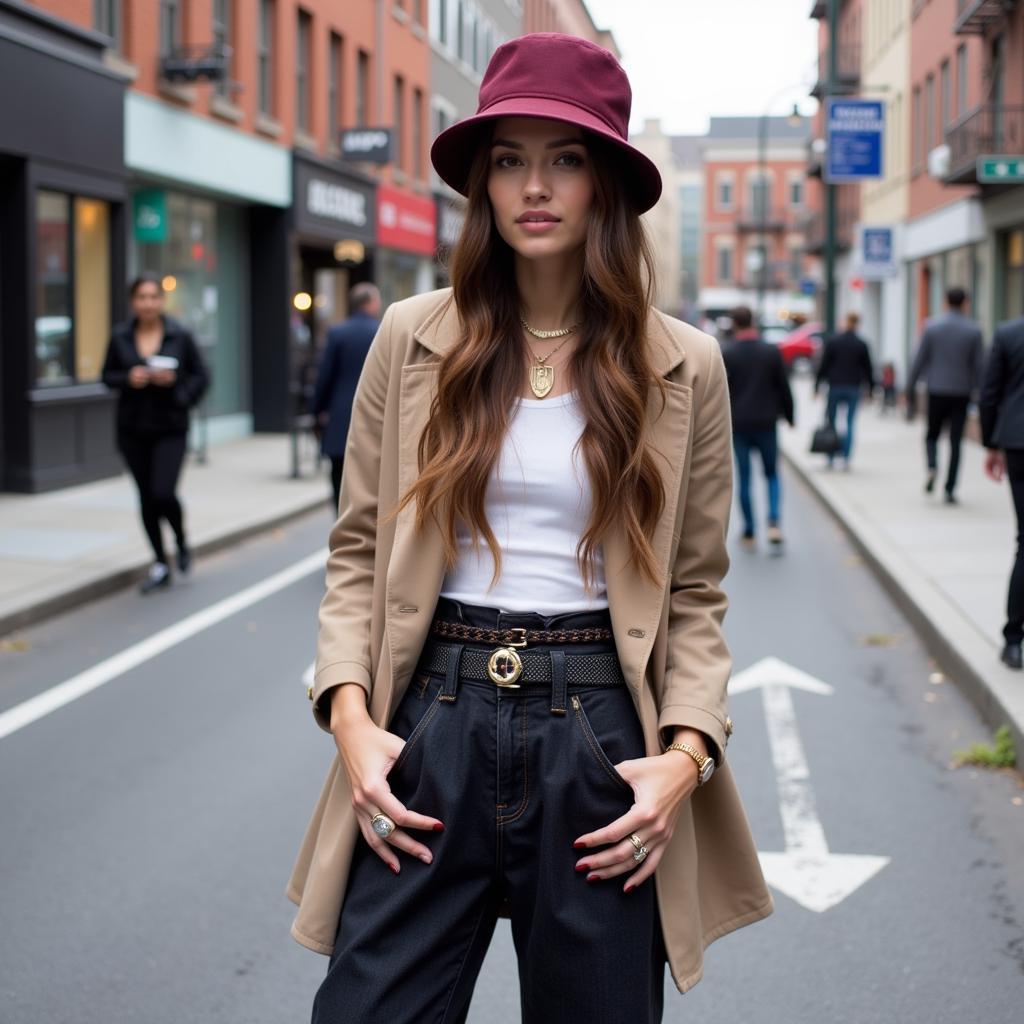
{"x": 707, "y": 771}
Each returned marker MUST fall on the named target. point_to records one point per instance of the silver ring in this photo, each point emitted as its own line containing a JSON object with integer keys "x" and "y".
{"x": 382, "y": 825}
{"x": 640, "y": 851}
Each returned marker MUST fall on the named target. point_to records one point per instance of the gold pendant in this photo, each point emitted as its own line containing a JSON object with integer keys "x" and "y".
{"x": 542, "y": 379}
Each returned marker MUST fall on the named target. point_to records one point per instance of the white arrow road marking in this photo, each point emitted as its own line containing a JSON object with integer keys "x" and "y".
{"x": 85, "y": 682}
{"x": 806, "y": 872}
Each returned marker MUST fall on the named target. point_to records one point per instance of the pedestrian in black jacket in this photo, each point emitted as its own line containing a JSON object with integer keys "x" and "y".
{"x": 949, "y": 361}
{"x": 1002, "y": 433}
{"x": 846, "y": 368}
{"x": 759, "y": 395}
{"x": 154, "y": 363}
{"x": 338, "y": 374}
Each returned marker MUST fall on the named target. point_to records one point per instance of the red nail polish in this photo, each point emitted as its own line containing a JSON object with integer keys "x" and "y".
{"x": 582, "y": 867}
{"x": 593, "y": 878}
{"x": 579, "y": 845}
{"x": 630, "y": 888}
{"x": 393, "y": 868}
{"x": 438, "y": 827}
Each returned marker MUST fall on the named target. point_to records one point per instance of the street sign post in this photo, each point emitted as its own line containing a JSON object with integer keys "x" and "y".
{"x": 995, "y": 169}
{"x": 854, "y": 132}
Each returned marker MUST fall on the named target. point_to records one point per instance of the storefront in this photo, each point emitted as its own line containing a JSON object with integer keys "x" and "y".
{"x": 62, "y": 202}
{"x": 202, "y": 194}
{"x": 407, "y": 240}
{"x": 334, "y": 234}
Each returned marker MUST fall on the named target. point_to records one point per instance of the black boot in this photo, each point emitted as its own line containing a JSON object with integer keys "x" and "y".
{"x": 184, "y": 559}
{"x": 1011, "y": 656}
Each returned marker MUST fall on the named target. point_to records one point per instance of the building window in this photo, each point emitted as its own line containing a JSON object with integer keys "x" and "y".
{"x": 796, "y": 192}
{"x": 222, "y": 36}
{"x": 961, "y": 79}
{"x": 362, "y": 87}
{"x": 170, "y": 26}
{"x": 265, "y": 57}
{"x": 107, "y": 18}
{"x": 929, "y": 113}
{"x": 73, "y": 284}
{"x": 916, "y": 123}
{"x": 442, "y": 22}
{"x": 302, "y": 55}
{"x": 396, "y": 120}
{"x": 460, "y": 31}
{"x": 334, "y": 80}
{"x": 723, "y": 193}
{"x": 796, "y": 264}
{"x": 723, "y": 267}
{"x": 417, "y": 11}
{"x": 945, "y": 111}
{"x": 417, "y": 133}
{"x": 757, "y": 196}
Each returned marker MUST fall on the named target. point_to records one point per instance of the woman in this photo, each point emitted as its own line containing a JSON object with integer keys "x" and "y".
{"x": 532, "y": 726}
{"x": 154, "y": 363}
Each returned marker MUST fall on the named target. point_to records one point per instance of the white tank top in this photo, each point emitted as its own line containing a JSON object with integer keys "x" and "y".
{"x": 537, "y": 503}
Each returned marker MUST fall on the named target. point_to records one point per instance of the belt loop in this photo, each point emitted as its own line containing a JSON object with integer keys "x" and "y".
{"x": 451, "y": 675}
{"x": 558, "y": 682}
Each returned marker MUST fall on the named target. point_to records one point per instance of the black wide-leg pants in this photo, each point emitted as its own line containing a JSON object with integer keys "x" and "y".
{"x": 515, "y": 784}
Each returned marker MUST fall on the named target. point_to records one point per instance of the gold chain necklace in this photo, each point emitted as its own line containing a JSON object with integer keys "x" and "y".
{"x": 542, "y": 376}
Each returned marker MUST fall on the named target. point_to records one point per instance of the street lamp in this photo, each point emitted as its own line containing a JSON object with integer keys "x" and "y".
{"x": 794, "y": 120}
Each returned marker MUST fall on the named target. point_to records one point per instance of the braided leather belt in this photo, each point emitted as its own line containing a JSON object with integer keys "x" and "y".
{"x": 518, "y": 634}
{"x": 580, "y": 669}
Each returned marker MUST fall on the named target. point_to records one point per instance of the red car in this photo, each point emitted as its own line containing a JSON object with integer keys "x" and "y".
{"x": 800, "y": 349}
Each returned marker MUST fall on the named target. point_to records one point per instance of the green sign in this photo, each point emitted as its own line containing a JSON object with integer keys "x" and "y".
{"x": 151, "y": 215}
{"x": 994, "y": 169}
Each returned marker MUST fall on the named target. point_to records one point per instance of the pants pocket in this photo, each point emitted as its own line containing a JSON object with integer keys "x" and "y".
{"x": 595, "y": 746}
{"x": 415, "y": 713}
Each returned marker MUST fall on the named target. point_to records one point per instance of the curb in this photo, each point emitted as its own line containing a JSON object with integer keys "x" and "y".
{"x": 129, "y": 573}
{"x": 955, "y": 644}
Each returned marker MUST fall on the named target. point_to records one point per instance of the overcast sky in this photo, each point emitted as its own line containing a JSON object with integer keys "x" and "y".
{"x": 688, "y": 60}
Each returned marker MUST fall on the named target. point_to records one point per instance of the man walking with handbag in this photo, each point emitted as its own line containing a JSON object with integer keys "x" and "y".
{"x": 759, "y": 395}
{"x": 1002, "y": 433}
{"x": 846, "y": 368}
{"x": 949, "y": 361}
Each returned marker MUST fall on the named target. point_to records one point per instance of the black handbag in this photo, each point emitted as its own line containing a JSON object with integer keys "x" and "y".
{"x": 826, "y": 440}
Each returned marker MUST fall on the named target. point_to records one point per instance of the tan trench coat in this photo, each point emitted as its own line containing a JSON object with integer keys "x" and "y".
{"x": 383, "y": 583}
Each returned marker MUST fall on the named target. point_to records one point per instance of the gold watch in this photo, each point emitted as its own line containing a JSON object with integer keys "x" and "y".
{"x": 705, "y": 765}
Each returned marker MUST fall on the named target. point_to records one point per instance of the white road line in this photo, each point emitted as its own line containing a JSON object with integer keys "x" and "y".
{"x": 56, "y": 697}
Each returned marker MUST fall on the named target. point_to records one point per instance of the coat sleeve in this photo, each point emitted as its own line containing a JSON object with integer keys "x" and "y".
{"x": 343, "y": 642}
{"x": 698, "y": 660}
{"x": 921, "y": 360}
{"x": 821, "y": 377}
{"x": 785, "y": 391}
{"x": 115, "y": 373}
{"x": 193, "y": 378}
{"x": 992, "y": 389}
{"x": 325, "y": 375}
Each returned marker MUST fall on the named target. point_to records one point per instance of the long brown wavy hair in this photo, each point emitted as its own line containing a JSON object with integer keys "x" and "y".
{"x": 481, "y": 375}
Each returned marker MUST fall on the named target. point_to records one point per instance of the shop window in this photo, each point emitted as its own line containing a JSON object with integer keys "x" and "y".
{"x": 73, "y": 288}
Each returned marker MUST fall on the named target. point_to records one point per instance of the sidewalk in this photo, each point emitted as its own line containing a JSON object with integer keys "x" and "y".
{"x": 64, "y": 547}
{"x": 947, "y": 566}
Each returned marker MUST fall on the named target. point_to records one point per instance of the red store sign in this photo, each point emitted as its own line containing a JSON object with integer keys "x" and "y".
{"x": 406, "y": 221}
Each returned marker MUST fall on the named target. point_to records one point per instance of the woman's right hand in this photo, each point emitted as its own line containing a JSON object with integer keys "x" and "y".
{"x": 367, "y": 754}
{"x": 138, "y": 376}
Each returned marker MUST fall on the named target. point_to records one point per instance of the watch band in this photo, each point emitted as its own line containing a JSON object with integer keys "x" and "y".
{"x": 697, "y": 756}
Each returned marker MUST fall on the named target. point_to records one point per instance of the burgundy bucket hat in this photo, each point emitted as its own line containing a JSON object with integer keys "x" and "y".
{"x": 551, "y": 75}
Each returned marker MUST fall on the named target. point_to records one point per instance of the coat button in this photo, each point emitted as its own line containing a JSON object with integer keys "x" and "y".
{"x": 408, "y": 608}
{"x": 637, "y": 632}
{"x": 728, "y": 726}
{"x": 309, "y": 692}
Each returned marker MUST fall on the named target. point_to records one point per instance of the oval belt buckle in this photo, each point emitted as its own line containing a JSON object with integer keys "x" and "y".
{"x": 504, "y": 666}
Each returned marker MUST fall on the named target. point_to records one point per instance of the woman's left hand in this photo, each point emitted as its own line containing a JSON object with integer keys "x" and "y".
{"x": 165, "y": 378}
{"x": 661, "y": 783}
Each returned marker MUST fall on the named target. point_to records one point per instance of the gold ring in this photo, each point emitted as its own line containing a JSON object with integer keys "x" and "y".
{"x": 641, "y": 851}
{"x": 382, "y": 825}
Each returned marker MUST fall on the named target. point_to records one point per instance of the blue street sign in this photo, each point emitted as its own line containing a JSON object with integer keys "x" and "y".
{"x": 854, "y": 129}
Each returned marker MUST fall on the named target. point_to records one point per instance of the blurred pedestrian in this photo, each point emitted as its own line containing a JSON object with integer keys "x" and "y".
{"x": 155, "y": 365}
{"x": 507, "y": 439}
{"x": 760, "y": 396}
{"x": 888, "y": 387}
{"x": 846, "y": 368}
{"x": 338, "y": 374}
{"x": 949, "y": 362}
{"x": 1002, "y": 433}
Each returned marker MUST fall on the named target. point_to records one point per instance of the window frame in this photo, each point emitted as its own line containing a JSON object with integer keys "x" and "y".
{"x": 266, "y": 98}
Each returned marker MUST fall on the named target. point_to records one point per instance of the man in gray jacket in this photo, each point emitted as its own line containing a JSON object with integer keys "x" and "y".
{"x": 949, "y": 361}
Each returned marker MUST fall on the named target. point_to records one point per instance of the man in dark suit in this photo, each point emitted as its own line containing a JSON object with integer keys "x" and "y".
{"x": 949, "y": 361}
{"x": 1002, "y": 433}
{"x": 759, "y": 395}
{"x": 336, "y": 379}
{"x": 846, "y": 368}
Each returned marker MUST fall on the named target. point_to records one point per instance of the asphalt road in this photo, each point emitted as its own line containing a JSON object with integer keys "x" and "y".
{"x": 147, "y": 828}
